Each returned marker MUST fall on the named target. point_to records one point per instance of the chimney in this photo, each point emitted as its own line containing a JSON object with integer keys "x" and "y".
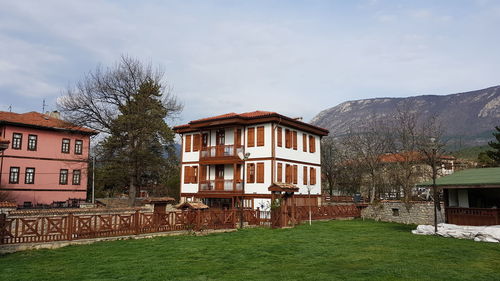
{"x": 54, "y": 114}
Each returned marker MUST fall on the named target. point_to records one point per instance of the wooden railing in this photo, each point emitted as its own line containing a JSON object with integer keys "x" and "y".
{"x": 221, "y": 185}
{"x": 473, "y": 216}
{"x": 220, "y": 151}
{"x": 48, "y": 228}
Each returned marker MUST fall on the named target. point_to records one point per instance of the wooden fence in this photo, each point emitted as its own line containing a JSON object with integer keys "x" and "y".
{"x": 59, "y": 226}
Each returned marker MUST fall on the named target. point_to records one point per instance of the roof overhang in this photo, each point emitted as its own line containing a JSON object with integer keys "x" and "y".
{"x": 283, "y": 187}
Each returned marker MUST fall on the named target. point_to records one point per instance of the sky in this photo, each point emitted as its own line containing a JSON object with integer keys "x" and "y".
{"x": 293, "y": 57}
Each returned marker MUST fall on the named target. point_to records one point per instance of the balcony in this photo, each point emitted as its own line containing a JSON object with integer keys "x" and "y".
{"x": 221, "y": 185}
{"x": 220, "y": 154}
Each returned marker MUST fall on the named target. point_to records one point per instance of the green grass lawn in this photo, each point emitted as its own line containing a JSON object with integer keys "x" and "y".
{"x": 334, "y": 250}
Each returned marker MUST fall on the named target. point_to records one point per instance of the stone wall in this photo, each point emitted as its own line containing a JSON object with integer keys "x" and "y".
{"x": 400, "y": 212}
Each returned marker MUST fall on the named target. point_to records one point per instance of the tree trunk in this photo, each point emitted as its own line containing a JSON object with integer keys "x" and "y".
{"x": 132, "y": 191}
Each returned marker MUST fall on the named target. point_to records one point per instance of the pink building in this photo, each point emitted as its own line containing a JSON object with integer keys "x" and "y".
{"x": 47, "y": 159}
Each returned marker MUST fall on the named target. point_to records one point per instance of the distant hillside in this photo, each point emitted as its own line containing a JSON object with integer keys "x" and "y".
{"x": 469, "y": 118}
{"x": 471, "y": 153}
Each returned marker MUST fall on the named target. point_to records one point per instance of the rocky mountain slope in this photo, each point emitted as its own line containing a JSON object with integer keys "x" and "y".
{"x": 469, "y": 118}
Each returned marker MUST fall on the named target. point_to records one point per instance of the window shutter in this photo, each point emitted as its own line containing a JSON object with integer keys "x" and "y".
{"x": 237, "y": 137}
{"x": 304, "y": 142}
{"x": 260, "y": 136}
{"x": 312, "y": 144}
{"x": 196, "y": 142}
{"x": 280, "y": 136}
{"x": 187, "y": 145}
{"x": 312, "y": 172}
{"x": 288, "y": 138}
{"x": 260, "y": 172}
{"x": 203, "y": 173}
{"x": 295, "y": 140}
{"x": 305, "y": 175}
{"x": 280, "y": 173}
{"x": 186, "y": 174}
{"x": 251, "y": 137}
{"x": 295, "y": 174}
{"x": 288, "y": 173}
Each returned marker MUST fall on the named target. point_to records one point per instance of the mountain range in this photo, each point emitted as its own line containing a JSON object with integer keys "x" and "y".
{"x": 468, "y": 118}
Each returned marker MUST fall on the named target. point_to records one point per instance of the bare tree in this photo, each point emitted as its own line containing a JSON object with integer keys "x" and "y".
{"x": 96, "y": 99}
{"x": 366, "y": 146}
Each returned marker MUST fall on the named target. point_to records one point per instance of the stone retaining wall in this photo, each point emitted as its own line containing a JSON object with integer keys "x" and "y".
{"x": 400, "y": 212}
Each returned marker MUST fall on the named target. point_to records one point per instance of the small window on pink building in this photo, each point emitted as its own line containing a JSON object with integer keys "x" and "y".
{"x": 29, "y": 177}
{"x": 17, "y": 140}
{"x": 63, "y": 176}
{"x": 76, "y": 177}
{"x": 65, "y": 146}
{"x": 32, "y": 141}
{"x": 78, "y": 146}
{"x": 14, "y": 175}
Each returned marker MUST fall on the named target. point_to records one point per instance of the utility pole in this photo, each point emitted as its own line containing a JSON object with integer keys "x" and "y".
{"x": 43, "y": 106}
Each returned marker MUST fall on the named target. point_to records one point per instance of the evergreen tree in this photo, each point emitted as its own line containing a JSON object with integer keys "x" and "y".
{"x": 495, "y": 145}
{"x": 137, "y": 147}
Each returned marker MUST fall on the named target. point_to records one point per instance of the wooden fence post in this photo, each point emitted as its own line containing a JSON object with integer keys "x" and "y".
{"x": 3, "y": 225}
{"x": 257, "y": 215}
{"x": 136, "y": 222}
{"x": 198, "y": 219}
{"x": 70, "y": 226}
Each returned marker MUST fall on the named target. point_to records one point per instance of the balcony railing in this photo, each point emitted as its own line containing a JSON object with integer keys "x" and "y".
{"x": 473, "y": 216}
{"x": 220, "y": 151}
{"x": 221, "y": 185}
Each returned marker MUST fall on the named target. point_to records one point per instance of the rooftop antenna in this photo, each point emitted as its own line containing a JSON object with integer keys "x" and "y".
{"x": 43, "y": 106}
{"x": 10, "y": 108}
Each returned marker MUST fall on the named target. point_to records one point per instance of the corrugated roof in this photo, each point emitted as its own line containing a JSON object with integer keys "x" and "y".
{"x": 40, "y": 120}
{"x": 469, "y": 178}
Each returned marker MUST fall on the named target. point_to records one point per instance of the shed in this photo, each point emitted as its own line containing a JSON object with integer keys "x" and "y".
{"x": 471, "y": 197}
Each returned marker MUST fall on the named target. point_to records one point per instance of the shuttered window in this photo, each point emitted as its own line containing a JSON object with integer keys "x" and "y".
{"x": 295, "y": 174}
{"x": 304, "y": 142}
{"x": 187, "y": 174}
{"x": 237, "y": 138}
{"x": 194, "y": 174}
{"x": 187, "y": 145}
{"x": 288, "y": 173}
{"x": 196, "y": 142}
{"x": 250, "y": 173}
{"x": 260, "y": 172}
{"x": 312, "y": 172}
{"x": 288, "y": 138}
{"x": 312, "y": 144}
{"x": 203, "y": 173}
{"x": 305, "y": 175}
{"x": 260, "y": 136}
{"x": 279, "y": 177}
{"x": 251, "y": 137}
{"x": 294, "y": 140}
{"x": 280, "y": 137}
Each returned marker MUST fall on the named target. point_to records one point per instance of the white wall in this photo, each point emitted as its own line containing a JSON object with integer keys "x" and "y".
{"x": 259, "y": 188}
{"x": 187, "y": 187}
{"x": 259, "y": 151}
{"x": 299, "y": 154}
{"x": 189, "y": 156}
{"x": 315, "y": 189}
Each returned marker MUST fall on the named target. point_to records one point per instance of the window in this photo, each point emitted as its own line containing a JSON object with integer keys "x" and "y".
{"x": 280, "y": 136}
{"x": 194, "y": 174}
{"x": 32, "y": 140}
{"x": 288, "y": 138}
{"x": 288, "y": 173}
{"x": 77, "y": 175}
{"x": 78, "y": 147}
{"x": 187, "y": 171}
{"x": 196, "y": 142}
{"x": 280, "y": 172}
{"x": 14, "y": 175}
{"x": 312, "y": 175}
{"x": 260, "y": 136}
{"x": 251, "y": 173}
{"x": 29, "y": 177}
{"x": 260, "y": 172}
{"x": 17, "y": 140}
{"x": 312, "y": 144}
{"x": 304, "y": 176}
{"x": 295, "y": 174}
{"x": 251, "y": 137}
{"x": 294, "y": 133}
{"x": 304, "y": 142}
{"x": 65, "y": 146}
{"x": 190, "y": 174}
{"x": 187, "y": 146}
{"x": 63, "y": 176}
{"x": 237, "y": 137}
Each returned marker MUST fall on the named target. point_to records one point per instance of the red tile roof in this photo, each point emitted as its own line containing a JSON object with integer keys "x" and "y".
{"x": 248, "y": 116}
{"x": 5, "y": 204}
{"x": 407, "y": 156}
{"x": 40, "y": 120}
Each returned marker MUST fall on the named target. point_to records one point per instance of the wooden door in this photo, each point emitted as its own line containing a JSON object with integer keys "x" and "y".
{"x": 219, "y": 177}
{"x": 220, "y": 139}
